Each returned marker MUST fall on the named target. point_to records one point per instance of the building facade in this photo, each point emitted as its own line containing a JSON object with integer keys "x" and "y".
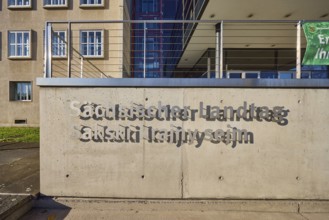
{"x": 259, "y": 39}
{"x": 216, "y": 39}
{"x": 22, "y": 49}
{"x": 158, "y": 37}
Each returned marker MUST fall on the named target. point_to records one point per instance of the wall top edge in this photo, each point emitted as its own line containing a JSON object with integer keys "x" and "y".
{"x": 183, "y": 83}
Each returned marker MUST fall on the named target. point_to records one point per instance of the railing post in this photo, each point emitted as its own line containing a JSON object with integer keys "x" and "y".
{"x": 298, "y": 51}
{"x": 69, "y": 50}
{"x": 219, "y": 50}
{"x": 48, "y": 52}
{"x": 144, "y": 66}
{"x": 81, "y": 67}
{"x": 45, "y": 62}
{"x": 208, "y": 65}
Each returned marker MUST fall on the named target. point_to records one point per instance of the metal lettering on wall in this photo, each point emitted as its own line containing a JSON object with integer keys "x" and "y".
{"x": 88, "y": 111}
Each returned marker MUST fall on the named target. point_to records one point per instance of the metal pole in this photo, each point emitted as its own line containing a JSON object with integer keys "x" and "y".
{"x": 221, "y": 56}
{"x": 193, "y": 10}
{"x": 298, "y": 52}
{"x": 49, "y": 51}
{"x": 145, "y": 28}
{"x": 69, "y": 50}
{"x": 45, "y": 66}
{"x": 81, "y": 67}
{"x": 217, "y": 62}
{"x": 208, "y": 66}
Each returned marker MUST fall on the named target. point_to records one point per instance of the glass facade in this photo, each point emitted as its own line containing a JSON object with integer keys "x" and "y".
{"x": 158, "y": 39}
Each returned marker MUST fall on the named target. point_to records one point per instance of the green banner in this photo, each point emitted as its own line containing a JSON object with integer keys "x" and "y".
{"x": 317, "y": 36}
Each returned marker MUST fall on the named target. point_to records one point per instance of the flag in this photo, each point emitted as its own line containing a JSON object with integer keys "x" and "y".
{"x": 317, "y": 37}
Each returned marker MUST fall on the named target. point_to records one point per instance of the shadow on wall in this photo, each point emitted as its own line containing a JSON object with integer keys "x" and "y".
{"x": 0, "y": 42}
{"x": 34, "y": 5}
{"x": 34, "y": 45}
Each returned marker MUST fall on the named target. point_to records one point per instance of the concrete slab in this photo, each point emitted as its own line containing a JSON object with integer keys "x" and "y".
{"x": 19, "y": 178}
{"x": 14, "y": 206}
{"x": 314, "y": 206}
{"x": 98, "y": 208}
{"x": 168, "y": 205}
{"x": 37, "y": 214}
{"x": 282, "y": 155}
{"x": 316, "y": 216}
{"x": 19, "y": 168}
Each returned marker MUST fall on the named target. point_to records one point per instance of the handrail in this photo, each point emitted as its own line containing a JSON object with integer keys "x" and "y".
{"x": 145, "y": 49}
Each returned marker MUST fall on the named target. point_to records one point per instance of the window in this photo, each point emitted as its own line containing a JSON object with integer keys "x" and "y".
{"x": 19, "y": 44}
{"x": 235, "y": 75}
{"x": 55, "y": 3}
{"x": 59, "y": 44}
{"x": 286, "y": 75}
{"x": 19, "y": 3}
{"x": 252, "y": 75}
{"x": 20, "y": 91}
{"x": 91, "y": 3}
{"x": 91, "y": 43}
{"x": 149, "y": 6}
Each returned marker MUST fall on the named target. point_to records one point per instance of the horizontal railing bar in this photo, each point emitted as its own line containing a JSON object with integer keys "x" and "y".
{"x": 180, "y": 21}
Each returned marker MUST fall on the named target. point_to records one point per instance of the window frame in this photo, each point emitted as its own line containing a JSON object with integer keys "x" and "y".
{"x": 243, "y": 74}
{"x": 15, "y": 6}
{"x": 51, "y": 5}
{"x": 281, "y": 74}
{"x": 13, "y": 91}
{"x": 102, "y": 43}
{"x": 29, "y": 56}
{"x": 89, "y": 5}
{"x": 65, "y": 45}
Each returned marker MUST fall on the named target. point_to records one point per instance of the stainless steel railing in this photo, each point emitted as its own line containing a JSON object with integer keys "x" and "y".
{"x": 156, "y": 49}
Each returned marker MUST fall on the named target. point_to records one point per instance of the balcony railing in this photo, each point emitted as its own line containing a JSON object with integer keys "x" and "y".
{"x": 166, "y": 48}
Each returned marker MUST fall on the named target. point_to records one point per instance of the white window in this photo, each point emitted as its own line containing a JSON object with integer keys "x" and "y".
{"x": 55, "y": 3}
{"x": 59, "y": 44}
{"x": 91, "y": 3}
{"x": 19, "y": 44}
{"x": 20, "y": 91}
{"x": 19, "y": 3}
{"x": 91, "y": 43}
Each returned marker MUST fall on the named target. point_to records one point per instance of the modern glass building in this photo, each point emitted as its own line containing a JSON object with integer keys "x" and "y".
{"x": 157, "y": 37}
{"x": 256, "y": 39}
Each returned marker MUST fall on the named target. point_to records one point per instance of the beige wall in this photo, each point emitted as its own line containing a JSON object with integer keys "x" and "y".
{"x": 28, "y": 69}
{"x": 288, "y": 161}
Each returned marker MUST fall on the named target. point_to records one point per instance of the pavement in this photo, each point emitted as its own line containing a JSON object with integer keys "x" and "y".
{"x": 124, "y": 209}
{"x": 20, "y": 199}
{"x": 19, "y": 168}
{"x": 19, "y": 176}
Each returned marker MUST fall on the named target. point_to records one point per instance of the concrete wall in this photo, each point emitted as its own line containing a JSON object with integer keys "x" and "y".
{"x": 286, "y": 160}
{"x": 29, "y": 69}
